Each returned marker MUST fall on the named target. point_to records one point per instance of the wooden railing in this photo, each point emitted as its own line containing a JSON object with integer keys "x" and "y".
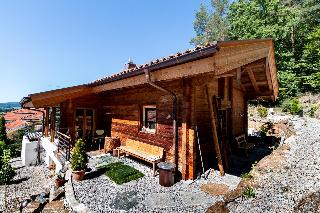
{"x": 64, "y": 146}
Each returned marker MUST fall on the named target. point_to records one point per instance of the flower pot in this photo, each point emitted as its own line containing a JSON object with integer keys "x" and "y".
{"x": 78, "y": 175}
{"x": 59, "y": 182}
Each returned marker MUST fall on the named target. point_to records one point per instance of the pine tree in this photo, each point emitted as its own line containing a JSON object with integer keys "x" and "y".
{"x": 211, "y": 25}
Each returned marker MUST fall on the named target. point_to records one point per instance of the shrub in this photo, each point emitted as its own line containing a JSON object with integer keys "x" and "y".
{"x": 247, "y": 175}
{"x": 79, "y": 158}
{"x": 6, "y": 171}
{"x": 292, "y": 105}
{"x": 266, "y": 128}
{"x": 262, "y": 111}
{"x": 249, "y": 192}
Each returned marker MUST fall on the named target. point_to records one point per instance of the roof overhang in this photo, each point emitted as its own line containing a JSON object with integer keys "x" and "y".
{"x": 54, "y": 97}
{"x": 220, "y": 58}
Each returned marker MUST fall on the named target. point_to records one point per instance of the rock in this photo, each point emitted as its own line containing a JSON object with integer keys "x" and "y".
{"x": 215, "y": 189}
{"x": 218, "y": 207}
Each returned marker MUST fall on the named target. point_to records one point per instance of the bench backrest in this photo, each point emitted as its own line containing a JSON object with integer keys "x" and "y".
{"x": 241, "y": 139}
{"x": 144, "y": 147}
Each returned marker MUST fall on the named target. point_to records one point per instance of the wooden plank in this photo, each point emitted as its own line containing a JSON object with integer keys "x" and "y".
{"x": 53, "y": 124}
{"x": 253, "y": 80}
{"x": 213, "y": 116}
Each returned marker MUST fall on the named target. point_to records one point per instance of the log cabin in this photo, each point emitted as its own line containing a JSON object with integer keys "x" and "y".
{"x": 192, "y": 104}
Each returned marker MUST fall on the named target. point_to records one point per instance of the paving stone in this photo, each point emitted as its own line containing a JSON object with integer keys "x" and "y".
{"x": 194, "y": 199}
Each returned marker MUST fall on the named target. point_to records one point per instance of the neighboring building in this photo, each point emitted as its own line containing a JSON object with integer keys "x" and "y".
{"x": 211, "y": 85}
{"x": 21, "y": 118}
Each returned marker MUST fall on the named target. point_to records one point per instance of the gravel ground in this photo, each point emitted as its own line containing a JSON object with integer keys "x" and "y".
{"x": 28, "y": 181}
{"x": 295, "y": 188}
{"x": 145, "y": 194}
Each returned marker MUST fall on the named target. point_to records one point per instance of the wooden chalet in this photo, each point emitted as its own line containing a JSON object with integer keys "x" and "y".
{"x": 197, "y": 98}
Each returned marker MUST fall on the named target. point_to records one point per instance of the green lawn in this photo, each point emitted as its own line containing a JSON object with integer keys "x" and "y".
{"x": 121, "y": 173}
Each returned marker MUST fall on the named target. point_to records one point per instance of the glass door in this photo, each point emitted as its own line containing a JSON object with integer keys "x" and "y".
{"x": 84, "y": 124}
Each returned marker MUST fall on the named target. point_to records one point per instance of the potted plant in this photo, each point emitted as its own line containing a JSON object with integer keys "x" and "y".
{"x": 79, "y": 160}
{"x": 60, "y": 179}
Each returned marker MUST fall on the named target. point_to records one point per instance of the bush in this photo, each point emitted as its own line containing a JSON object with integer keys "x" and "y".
{"x": 79, "y": 158}
{"x": 292, "y": 105}
{"x": 6, "y": 171}
{"x": 262, "y": 111}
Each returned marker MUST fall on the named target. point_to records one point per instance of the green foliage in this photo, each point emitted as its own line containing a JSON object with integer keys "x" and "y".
{"x": 246, "y": 175}
{"x": 249, "y": 192}
{"x": 2, "y": 148}
{"x": 79, "y": 158}
{"x": 6, "y": 171}
{"x": 3, "y": 133}
{"x": 294, "y": 26}
{"x": 313, "y": 109}
{"x": 211, "y": 25}
{"x": 262, "y": 111}
{"x": 292, "y": 105}
{"x": 266, "y": 128}
{"x": 121, "y": 173}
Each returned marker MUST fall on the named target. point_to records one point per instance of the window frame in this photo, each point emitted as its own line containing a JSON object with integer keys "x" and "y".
{"x": 143, "y": 126}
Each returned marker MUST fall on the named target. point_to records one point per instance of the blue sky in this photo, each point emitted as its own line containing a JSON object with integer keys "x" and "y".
{"x": 50, "y": 44}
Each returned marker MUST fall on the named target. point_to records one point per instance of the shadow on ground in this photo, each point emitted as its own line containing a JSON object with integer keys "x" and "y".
{"x": 240, "y": 163}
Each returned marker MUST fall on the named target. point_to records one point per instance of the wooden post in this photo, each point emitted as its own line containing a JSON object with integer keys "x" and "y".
{"x": 53, "y": 123}
{"x": 214, "y": 131}
{"x": 46, "y": 123}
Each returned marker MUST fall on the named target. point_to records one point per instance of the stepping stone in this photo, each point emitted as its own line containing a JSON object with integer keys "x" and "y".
{"x": 55, "y": 206}
{"x": 159, "y": 200}
{"x": 125, "y": 200}
{"x": 215, "y": 189}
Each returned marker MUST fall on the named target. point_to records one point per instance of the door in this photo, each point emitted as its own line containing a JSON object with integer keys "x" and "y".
{"x": 84, "y": 125}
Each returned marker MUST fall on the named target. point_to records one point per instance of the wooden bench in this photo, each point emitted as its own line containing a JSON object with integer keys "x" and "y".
{"x": 147, "y": 152}
{"x": 243, "y": 144}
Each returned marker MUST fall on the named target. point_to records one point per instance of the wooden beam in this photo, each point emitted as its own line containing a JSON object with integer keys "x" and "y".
{"x": 53, "y": 124}
{"x": 214, "y": 117}
{"x": 268, "y": 74}
{"x": 46, "y": 123}
{"x": 253, "y": 80}
{"x": 259, "y": 83}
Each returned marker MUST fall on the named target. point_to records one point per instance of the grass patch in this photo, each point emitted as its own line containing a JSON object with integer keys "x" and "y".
{"x": 121, "y": 173}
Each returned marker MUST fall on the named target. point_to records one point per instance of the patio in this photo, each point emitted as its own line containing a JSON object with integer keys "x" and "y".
{"x": 100, "y": 194}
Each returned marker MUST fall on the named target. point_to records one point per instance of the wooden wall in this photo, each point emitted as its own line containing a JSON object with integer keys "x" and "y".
{"x": 122, "y": 109}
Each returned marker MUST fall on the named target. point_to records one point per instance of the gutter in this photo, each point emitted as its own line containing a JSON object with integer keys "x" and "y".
{"x": 198, "y": 54}
{"x": 174, "y": 115}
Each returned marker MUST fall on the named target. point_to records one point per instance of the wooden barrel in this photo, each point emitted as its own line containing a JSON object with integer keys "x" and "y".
{"x": 111, "y": 143}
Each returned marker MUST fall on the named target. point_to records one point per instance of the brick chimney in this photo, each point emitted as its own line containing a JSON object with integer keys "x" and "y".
{"x": 130, "y": 65}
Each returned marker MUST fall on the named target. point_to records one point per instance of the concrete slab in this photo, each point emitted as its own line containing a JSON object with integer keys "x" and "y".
{"x": 159, "y": 200}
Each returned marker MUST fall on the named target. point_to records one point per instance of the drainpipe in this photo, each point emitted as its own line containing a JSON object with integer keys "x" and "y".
{"x": 174, "y": 115}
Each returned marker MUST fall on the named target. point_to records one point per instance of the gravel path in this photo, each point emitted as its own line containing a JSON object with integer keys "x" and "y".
{"x": 28, "y": 181}
{"x": 295, "y": 187}
{"x": 145, "y": 194}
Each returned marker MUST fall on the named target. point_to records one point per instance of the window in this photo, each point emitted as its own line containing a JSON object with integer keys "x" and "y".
{"x": 149, "y": 119}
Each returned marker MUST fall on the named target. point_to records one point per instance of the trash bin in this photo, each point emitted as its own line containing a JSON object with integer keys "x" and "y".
{"x": 166, "y": 174}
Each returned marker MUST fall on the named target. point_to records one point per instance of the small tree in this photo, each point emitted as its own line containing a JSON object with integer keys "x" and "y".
{"x": 6, "y": 171}
{"x": 79, "y": 158}
{"x": 3, "y": 132}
